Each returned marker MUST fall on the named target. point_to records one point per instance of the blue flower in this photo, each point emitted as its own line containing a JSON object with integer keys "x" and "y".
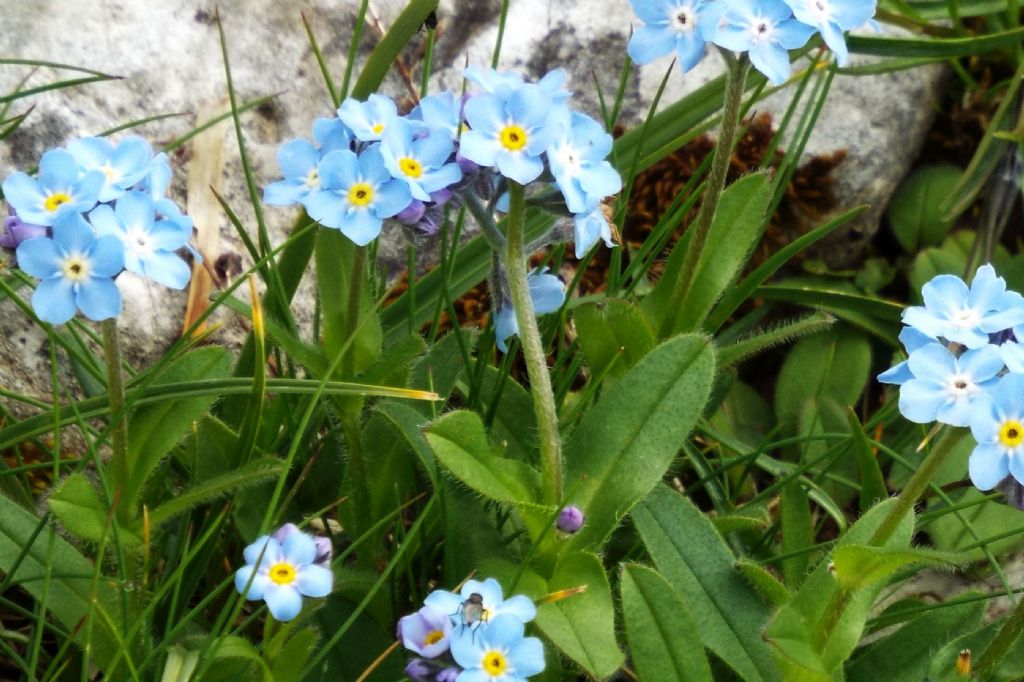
{"x": 76, "y": 269}
{"x": 669, "y": 25}
{"x": 832, "y": 17}
{"x": 497, "y": 652}
{"x": 900, "y": 373}
{"x": 502, "y": 84}
{"x": 577, "y": 160}
{"x": 547, "y": 293}
{"x": 965, "y": 315}
{"x": 589, "y": 228}
{"x": 945, "y": 387}
{"x": 357, "y": 194}
{"x": 998, "y": 425}
{"x": 441, "y": 111}
{"x": 122, "y": 166}
{"x": 419, "y": 161}
{"x": 426, "y": 632}
{"x": 511, "y": 135}
{"x": 149, "y": 244}
{"x": 155, "y": 184}
{"x": 491, "y": 600}
{"x": 764, "y": 28}
{"x": 298, "y": 160}
{"x": 284, "y": 574}
{"x": 368, "y": 120}
{"x": 60, "y": 189}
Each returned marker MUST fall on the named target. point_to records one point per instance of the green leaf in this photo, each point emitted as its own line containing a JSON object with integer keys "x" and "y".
{"x": 236, "y": 658}
{"x": 252, "y": 473}
{"x": 582, "y": 626}
{"x": 460, "y": 443}
{"x": 69, "y": 599}
{"x": 78, "y": 507}
{"x": 767, "y": 585}
{"x": 614, "y": 335}
{"x": 623, "y": 446}
{"x": 736, "y": 229}
{"x": 762, "y": 340}
{"x": 859, "y": 566}
{"x": 872, "y": 483}
{"x": 391, "y": 45}
{"x": 514, "y": 426}
{"x": 914, "y": 210}
{"x": 872, "y": 314}
{"x": 154, "y": 429}
{"x": 936, "y": 48}
{"x": 288, "y": 664}
{"x": 660, "y": 629}
{"x": 797, "y": 532}
{"x": 441, "y": 367}
{"x": 695, "y": 560}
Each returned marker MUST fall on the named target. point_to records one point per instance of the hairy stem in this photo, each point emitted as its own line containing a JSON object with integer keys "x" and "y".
{"x": 119, "y": 424}
{"x": 533, "y": 350}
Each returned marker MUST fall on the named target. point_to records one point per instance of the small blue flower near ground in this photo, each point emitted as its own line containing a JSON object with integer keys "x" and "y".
{"x": 357, "y": 194}
{"x": 421, "y": 161}
{"x": 900, "y": 373}
{"x": 285, "y": 574}
{"x": 547, "y": 292}
{"x": 149, "y": 244}
{"x": 298, "y": 160}
{"x": 998, "y": 425}
{"x": 368, "y": 120}
{"x": 76, "y": 269}
{"x": 576, "y": 157}
{"x": 155, "y": 184}
{"x": 510, "y": 135}
{"x": 60, "y": 189}
{"x": 122, "y": 166}
{"x": 492, "y": 601}
{"x": 962, "y": 314}
{"x": 669, "y": 25}
{"x": 502, "y": 84}
{"x": 426, "y": 632}
{"x": 440, "y": 111}
{"x": 765, "y": 29}
{"x": 589, "y": 228}
{"x": 497, "y": 652}
{"x": 946, "y": 387}
{"x": 831, "y": 18}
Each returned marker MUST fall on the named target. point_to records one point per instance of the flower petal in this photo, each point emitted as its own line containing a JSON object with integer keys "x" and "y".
{"x": 283, "y": 601}
{"x": 314, "y": 581}
{"x": 99, "y": 298}
{"x": 54, "y": 300}
{"x": 40, "y": 257}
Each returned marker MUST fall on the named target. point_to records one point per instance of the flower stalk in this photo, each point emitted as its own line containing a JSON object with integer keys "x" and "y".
{"x": 533, "y": 349}
{"x": 119, "y": 420}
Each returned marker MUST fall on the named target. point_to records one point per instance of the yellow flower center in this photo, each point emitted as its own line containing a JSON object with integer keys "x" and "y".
{"x": 378, "y": 128}
{"x": 495, "y": 663}
{"x": 433, "y": 637}
{"x": 513, "y": 137}
{"x": 410, "y": 167}
{"x": 54, "y": 201}
{"x": 282, "y": 574}
{"x": 76, "y": 268}
{"x": 1011, "y": 433}
{"x": 360, "y": 194}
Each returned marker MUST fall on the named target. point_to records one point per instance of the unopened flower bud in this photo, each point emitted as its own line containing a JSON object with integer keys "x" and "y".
{"x": 570, "y": 519}
{"x": 16, "y": 231}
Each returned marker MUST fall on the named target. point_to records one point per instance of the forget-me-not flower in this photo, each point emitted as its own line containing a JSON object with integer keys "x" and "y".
{"x": 426, "y": 632}
{"x": 440, "y": 111}
{"x": 493, "y": 602}
{"x": 502, "y": 84}
{"x": 945, "y": 387}
{"x": 284, "y": 574}
{"x": 61, "y": 188}
{"x": 497, "y": 652}
{"x": 998, "y": 425}
{"x": 576, "y": 157}
{"x": 765, "y": 29}
{"x": 357, "y": 194}
{"x": 831, "y": 18}
{"x": 122, "y": 166}
{"x": 590, "y": 227}
{"x": 149, "y": 244}
{"x": 547, "y": 293}
{"x": 669, "y": 25}
{"x": 900, "y": 373}
{"x": 962, "y": 314}
{"x": 299, "y": 159}
{"x": 511, "y": 135}
{"x": 421, "y": 161}
{"x": 368, "y": 120}
{"x": 76, "y": 269}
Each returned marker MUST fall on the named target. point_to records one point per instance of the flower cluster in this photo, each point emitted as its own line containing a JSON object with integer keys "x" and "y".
{"x": 764, "y": 29}
{"x": 92, "y": 211}
{"x": 473, "y": 636}
{"x": 965, "y": 367}
{"x": 284, "y": 567}
{"x": 370, "y": 164}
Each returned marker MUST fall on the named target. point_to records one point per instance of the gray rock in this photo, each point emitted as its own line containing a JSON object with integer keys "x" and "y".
{"x": 169, "y": 56}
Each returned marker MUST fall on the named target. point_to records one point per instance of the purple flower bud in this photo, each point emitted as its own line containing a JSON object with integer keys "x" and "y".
{"x": 468, "y": 167}
{"x": 411, "y": 214}
{"x": 419, "y": 670}
{"x": 448, "y": 674}
{"x": 425, "y": 632}
{"x": 17, "y": 231}
{"x": 570, "y": 519}
{"x": 441, "y": 197}
{"x": 323, "y": 545}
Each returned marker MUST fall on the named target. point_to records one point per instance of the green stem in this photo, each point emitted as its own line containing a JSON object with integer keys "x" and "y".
{"x": 735, "y": 84}
{"x": 119, "y": 426}
{"x": 354, "y": 311}
{"x": 533, "y": 349}
{"x": 997, "y": 650}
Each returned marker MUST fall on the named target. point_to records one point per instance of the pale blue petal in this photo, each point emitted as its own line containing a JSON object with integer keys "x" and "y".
{"x": 932, "y": 362}
{"x": 981, "y": 364}
{"x": 987, "y": 466}
{"x": 654, "y": 11}
{"x": 521, "y": 607}
{"x": 72, "y": 233}
{"x": 924, "y": 321}
{"x": 169, "y": 235}
{"x": 997, "y": 322}
{"x": 327, "y": 208}
{"x": 476, "y": 675}
{"x": 361, "y": 226}
{"x": 772, "y": 61}
{"x": 285, "y": 192}
{"x": 106, "y": 256}
{"x": 25, "y": 196}
{"x": 1012, "y": 355}
{"x": 529, "y": 106}
{"x": 54, "y": 300}
{"x": 954, "y": 413}
{"x": 40, "y": 257}
{"x": 527, "y": 657}
{"x": 478, "y": 148}
{"x": 467, "y": 647}
{"x": 131, "y": 155}
{"x": 912, "y": 339}
{"x": 984, "y": 423}
{"x": 690, "y": 51}
{"x": 339, "y": 169}
{"x": 166, "y": 268}
{"x": 485, "y": 114}
{"x": 972, "y": 338}
{"x": 271, "y": 555}
{"x": 444, "y": 176}
{"x": 296, "y": 159}
{"x": 299, "y": 549}
{"x": 505, "y": 326}
{"x": 792, "y": 34}
{"x": 434, "y": 149}
{"x": 730, "y": 36}
{"x": 519, "y": 166}
{"x": 944, "y": 293}
{"x": 851, "y": 14}
{"x": 650, "y": 42}
{"x": 601, "y": 180}
{"x": 1009, "y": 396}
{"x": 58, "y": 170}
{"x": 444, "y": 601}
{"x": 547, "y": 293}
{"x": 833, "y": 37}
{"x": 258, "y": 586}
{"x": 897, "y": 374}
{"x": 503, "y": 631}
{"x": 99, "y": 298}
{"x": 104, "y": 221}
{"x": 314, "y": 581}
{"x": 390, "y": 198}
{"x": 371, "y": 166}
{"x": 135, "y": 210}
{"x": 90, "y": 152}
{"x": 283, "y": 601}
{"x": 920, "y": 400}
{"x": 489, "y": 590}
